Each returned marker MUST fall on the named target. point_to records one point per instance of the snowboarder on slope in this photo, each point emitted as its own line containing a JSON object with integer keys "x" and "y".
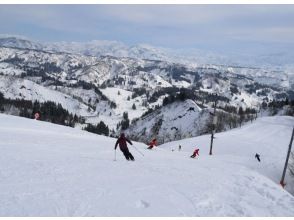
{"x": 196, "y": 152}
{"x": 257, "y": 156}
{"x": 152, "y": 144}
{"x": 180, "y": 147}
{"x": 122, "y": 142}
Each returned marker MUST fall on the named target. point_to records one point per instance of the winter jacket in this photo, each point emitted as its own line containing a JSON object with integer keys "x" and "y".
{"x": 196, "y": 152}
{"x": 153, "y": 142}
{"x": 122, "y": 142}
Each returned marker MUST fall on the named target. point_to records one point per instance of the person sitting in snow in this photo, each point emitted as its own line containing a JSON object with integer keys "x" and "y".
{"x": 196, "y": 152}
{"x": 122, "y": 142}
{"x": 152, "y": 144}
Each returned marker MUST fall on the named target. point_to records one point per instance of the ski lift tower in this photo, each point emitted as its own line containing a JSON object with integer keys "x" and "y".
{"x": 287, "y": 159}
{"x": 214, "y": 122}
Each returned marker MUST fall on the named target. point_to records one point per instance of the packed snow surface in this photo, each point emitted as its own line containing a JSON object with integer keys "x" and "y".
{"x": 51, "y": 170}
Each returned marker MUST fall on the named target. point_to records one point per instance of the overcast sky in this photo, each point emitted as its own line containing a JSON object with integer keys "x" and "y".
{"x": 223, "y": 28}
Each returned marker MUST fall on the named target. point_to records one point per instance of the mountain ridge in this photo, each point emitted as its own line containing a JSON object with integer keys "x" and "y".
{"x": 105, "y": 88}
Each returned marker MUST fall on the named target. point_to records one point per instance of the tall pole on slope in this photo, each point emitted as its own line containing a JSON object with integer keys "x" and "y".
{"x": 287, "y": 159}
{"x": 214, "y": 121}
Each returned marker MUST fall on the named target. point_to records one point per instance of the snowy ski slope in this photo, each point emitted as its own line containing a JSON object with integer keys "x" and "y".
{"x": 51, "y": 170}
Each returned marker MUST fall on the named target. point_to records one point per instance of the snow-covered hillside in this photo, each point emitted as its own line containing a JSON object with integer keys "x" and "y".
{"x": 89, "y": 86}
{"x": 268, "y": 136}
{"x": 51, "y": 170}
{"x": 15, "y": 88}
{"x": 175, "y": 121}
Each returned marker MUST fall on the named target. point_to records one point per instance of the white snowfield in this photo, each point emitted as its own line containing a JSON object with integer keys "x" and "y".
{"x": 51, "y": 170}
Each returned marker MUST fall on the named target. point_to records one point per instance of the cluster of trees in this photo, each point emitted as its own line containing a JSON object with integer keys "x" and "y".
{"x": 42, "y": 71}
{"x": 90, "y": 86}
{"x": 254, "y": 87}
{"x": 229, "y": 120}
{"x": 119, "y": 80}
{"x": 181, "y": 94}
{"x": 101, "y": 128}
{"x": 240, "y": 110}
{"x": 14, "y": 60}
{"x": 276, "y": 105}
{"x": 125, "y": 123}
{"x": 177, "y": 72}
{"x": 163, "y": 91}
{"x": 184, "y": 93}
{"x": 49, "y": 111}
{"x": 139, "y": 92}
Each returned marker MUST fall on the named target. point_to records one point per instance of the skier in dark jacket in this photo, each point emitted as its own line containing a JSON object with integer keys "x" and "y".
{"x": 257, "y": 156}
{"x": 122, "y": 142}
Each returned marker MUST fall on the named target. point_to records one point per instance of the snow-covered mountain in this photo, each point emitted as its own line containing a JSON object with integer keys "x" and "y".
{"x": 178, "y": 120}
{"x": 52, "y": 170}
{"x": 19, "y": 42}
{"x": 103, "y": 88}
{"x": 190, "y": 56}
{"x": 95, "y": 48}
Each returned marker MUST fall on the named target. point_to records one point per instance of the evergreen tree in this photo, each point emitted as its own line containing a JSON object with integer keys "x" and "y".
{"x": 101, "y": 128}
{"x": 125, "y": 123}
{"x": 241, "y": 115}
{"x": 134, "y": 107}
{"x": 1, "y": 102}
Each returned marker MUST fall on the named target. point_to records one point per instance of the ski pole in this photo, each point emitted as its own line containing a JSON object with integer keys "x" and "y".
{"x": 138, "y": 150}
{"x": 115, "y": 155}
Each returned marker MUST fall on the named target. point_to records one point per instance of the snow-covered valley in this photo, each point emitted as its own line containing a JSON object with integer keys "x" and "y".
{"x": 52, "y": 170}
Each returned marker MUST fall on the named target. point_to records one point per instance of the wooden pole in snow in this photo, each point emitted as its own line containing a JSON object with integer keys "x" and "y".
{"x": 287, "y": 159}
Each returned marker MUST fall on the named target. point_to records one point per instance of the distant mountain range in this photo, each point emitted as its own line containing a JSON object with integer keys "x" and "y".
{"x": 191, "y": 56}
{"x": 102, "y": 80}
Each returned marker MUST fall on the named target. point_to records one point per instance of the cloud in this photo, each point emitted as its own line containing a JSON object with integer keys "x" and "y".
{"x": 271, "y": 34}
{"x": 174, "y": 15}
{"x": 166, "y": 25}
{"x": 54, "y": 17}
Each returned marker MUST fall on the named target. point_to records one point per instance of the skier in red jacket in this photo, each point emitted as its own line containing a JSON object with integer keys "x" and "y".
{"x": 122, "y": 142}
{"x": 196, "y": 152}
{"x": 37, "y": 116}
{"x": 152, "y": 144}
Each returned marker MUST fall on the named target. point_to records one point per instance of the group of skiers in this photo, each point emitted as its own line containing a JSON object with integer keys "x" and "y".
{"x": 122, "y": 143}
